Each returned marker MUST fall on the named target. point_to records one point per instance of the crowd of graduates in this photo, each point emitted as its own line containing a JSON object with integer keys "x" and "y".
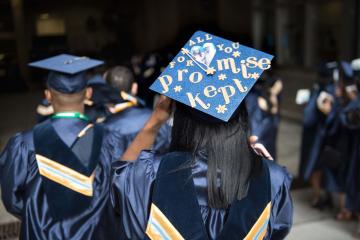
{"x": 110, "y": 159}
{"x": 112, "y": 86}
{"x": 330, "y": 142}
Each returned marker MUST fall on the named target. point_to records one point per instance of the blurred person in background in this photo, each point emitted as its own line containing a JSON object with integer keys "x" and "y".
{"x": 337, "y": 147}
{"x": 314, "y": 130}
{"x": 129, "y": 117}
{"x": 263, "y": 104}
{"x": 147, "y": 69}
{"x": 350, "y": 117}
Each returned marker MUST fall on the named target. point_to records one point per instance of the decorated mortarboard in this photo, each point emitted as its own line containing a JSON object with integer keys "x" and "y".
{"x": 212, "y": 74}
{"x": 67, "y": 72}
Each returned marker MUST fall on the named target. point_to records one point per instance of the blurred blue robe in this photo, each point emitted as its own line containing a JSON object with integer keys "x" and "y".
{"x": 264, "y": 125}
{"x": 314, "y": 131}
{"x": 337, "y": 151}
{"x": 353, "y": 170}
{"x": 181, "y": 196}
{"x": 131, "y": 120}
{"x": 24, "y": 194}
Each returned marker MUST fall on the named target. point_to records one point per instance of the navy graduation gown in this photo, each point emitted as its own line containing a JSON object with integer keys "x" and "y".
{"x": 131, "y": 120}
{"x": 353, "y": 170}
{"x": 25, "y": 194}
{"x": 137, "y": 187}
{"x": 264, "y": 125}
{"x": 337, "y": 151}
{"x": 315, "y": 125}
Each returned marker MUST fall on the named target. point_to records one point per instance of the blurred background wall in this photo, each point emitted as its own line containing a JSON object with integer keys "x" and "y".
{"x": 300, "y": 33}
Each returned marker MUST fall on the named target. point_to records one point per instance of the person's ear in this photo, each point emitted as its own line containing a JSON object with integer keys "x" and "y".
{"x": 134, "y": 89}
{"x": 48, "y": 95}
{"x": 88, "y": 93}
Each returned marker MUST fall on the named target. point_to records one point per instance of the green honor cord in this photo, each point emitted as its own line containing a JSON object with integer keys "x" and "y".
{"x": 70, "y": 115}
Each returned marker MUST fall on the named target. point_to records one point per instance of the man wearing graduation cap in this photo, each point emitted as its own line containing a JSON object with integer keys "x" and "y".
{"x": 55, "y": 177}
{"x": 211, "y": 184}
{"x": 96, "y": 108}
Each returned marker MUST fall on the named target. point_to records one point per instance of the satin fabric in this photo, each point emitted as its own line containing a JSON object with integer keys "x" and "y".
{"x": 264, "y": 125}
{"x": 130, "y": 121}
{"x": 23, "y": 193}
{"x": 131, "y": 192}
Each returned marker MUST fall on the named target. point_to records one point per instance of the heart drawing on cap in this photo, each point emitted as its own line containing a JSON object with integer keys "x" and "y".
{"x": 204, "y": 54}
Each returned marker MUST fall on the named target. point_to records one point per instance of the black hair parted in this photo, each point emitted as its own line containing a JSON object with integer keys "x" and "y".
{"x": 230, "y": 159}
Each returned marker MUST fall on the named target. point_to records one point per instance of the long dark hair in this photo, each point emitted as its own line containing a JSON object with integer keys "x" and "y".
{"x": 229, "y": 155}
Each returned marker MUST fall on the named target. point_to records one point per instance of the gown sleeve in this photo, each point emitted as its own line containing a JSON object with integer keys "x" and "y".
{"x": 115, "y": 144}
{"x": 13, "y": 173}
{"x": 163, "y": 139}
{"x": 282, "y": 205}
{"x": 130, "y": 192}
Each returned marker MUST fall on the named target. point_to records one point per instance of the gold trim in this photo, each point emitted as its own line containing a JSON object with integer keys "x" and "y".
{"x": 83, "y": 132}
{"x": 66, "y": 171}
{"x": 164, "y": 223}
{"x": 257, "y": 230}
{"x": 122, "y": 106}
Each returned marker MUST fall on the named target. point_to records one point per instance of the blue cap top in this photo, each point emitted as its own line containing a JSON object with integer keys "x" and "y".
{"x": 212, "y": 74}
{"x": 66, "y": 71}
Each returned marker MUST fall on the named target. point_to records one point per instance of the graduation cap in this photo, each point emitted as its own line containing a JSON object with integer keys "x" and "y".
{"x": 67, "y": 72}
{"x": 212, "y": 74}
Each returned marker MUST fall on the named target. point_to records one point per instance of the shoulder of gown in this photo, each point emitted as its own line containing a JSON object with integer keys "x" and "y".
{"x": 278, "y": 176}
{"x": 114, "y": 144}
{"x": 131, "y": 184}
{"x": 127, "y": 124}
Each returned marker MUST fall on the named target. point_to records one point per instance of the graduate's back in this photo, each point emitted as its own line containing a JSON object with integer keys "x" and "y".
{"x": 210, "y": 185}
{"x": 51, "y": 195}
{"x": 55, "y": 177}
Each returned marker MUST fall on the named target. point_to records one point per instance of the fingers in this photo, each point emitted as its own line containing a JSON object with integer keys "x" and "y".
{"x": 262, "y": 151}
